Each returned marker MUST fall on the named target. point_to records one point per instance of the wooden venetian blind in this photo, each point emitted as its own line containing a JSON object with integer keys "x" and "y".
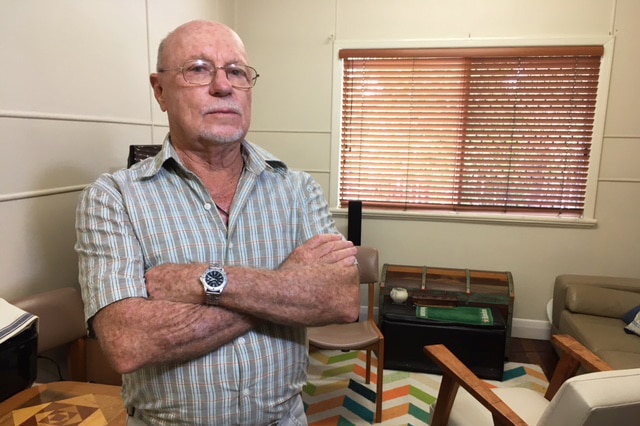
{"x": 501, "y": 130}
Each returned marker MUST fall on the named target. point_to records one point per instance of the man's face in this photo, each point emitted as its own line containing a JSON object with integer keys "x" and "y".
{"x": 216, "y": 112}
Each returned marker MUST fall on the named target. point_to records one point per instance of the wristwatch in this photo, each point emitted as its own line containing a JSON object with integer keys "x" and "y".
{"x": 214, "y": 281}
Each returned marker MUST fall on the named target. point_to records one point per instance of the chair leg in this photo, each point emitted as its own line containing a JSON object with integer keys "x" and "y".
{"x": 444, "y": 402}
{"x": 379, "y": 383}
{"x": 77, "y": 360}
{"x": 368, "y": 371}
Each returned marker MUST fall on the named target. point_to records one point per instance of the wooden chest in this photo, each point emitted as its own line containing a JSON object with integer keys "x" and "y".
{"x": 480, "y": 347}
{"x": 435, "y": 286}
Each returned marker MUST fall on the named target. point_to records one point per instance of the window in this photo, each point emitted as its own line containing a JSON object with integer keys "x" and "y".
{"x": 481, "y": 129}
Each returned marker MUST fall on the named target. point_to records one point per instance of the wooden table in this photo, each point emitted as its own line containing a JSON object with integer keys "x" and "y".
{"x": 65, "y": 403}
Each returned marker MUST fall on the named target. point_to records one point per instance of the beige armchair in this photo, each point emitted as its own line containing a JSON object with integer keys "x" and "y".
{"x": 603, "y": 397}
{"x": 62, "y": 324}
{"x": 361, "y": 335}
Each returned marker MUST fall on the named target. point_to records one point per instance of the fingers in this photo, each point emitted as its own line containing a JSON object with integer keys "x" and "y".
{"x": 322, "y": 239}
{"x": 348, "y": 261}
{"x": 342, "y": 254}
{"x": 324, "y": 249}
{"x": 330, "y": 248}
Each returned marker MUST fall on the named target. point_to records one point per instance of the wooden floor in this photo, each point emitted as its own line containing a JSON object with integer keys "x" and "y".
{"x": 531, "y": 351}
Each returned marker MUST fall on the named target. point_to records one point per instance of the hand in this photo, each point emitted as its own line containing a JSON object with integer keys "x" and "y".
{"x": 323, "y": 249}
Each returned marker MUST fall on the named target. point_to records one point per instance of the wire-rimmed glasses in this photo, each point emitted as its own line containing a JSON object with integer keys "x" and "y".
{"x": 200, "y": 72}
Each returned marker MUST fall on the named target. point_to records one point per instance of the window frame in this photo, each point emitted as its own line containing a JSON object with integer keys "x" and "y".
{"x": 587, "y": 220}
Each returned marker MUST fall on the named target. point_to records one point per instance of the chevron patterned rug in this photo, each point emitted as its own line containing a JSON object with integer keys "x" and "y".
{"x": 336, "y": 393}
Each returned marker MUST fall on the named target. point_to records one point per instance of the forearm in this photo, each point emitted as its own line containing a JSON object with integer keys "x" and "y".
{"x": 137, "y": 332}
{"x": 308, "y": 295}
{"x": 318, "y": 284}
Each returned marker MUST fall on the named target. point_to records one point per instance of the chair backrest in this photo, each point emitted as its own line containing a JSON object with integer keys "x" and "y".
{"x": 594, "y": 399}
{"x": 369, "y": 273}
{"x": 61, "y": 316}
{"x": 61, "y": 324}
{"x": 368, "y": 264}
{"x": 140, "y": 152}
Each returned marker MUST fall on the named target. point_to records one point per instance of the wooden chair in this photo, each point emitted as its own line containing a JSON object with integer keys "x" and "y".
{"x": 61, "y": 324}
{"x": 361, "y": 335}
{"x": 602, "y": 397}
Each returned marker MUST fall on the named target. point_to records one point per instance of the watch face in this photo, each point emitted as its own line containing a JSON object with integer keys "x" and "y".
{"x": 214, "y": 279}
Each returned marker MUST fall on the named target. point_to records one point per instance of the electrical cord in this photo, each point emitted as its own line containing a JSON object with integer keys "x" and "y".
{"x": 54, "y": 363}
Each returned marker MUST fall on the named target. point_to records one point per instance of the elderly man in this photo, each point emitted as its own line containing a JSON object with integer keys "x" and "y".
{"x": 201, "y": 267}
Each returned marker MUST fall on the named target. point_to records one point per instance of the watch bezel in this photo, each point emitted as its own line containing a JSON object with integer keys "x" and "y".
{"x": 213, "y": 292}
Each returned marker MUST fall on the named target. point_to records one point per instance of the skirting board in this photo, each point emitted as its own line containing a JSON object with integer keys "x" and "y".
{"x": 531, "y": 329}
{"x": 521, "y": 328}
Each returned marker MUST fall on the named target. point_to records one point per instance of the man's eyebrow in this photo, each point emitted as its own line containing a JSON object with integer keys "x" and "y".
{"x": 241, "y": 62}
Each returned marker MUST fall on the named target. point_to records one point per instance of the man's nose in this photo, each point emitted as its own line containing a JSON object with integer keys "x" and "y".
{"x": 220, "y": 82}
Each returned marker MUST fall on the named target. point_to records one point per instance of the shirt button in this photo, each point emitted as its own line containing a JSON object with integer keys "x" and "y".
{"x": 241, "y": 340}
{"x": 207, "y": 206}
{"x": 245, "y": 392}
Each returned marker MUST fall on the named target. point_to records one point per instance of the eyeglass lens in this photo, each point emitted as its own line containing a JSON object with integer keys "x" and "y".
{"x": 203, "y": 72}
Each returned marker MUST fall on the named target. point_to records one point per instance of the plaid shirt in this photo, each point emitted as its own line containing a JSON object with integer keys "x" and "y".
{"x": 158, "y": 212}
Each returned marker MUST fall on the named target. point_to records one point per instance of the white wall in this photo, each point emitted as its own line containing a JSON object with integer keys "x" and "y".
{"x": 74, "y": 94}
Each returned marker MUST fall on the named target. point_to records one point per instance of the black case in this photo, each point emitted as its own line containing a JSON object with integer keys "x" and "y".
{"x": 18, "y": 362}
{"x": 480, "y": 348}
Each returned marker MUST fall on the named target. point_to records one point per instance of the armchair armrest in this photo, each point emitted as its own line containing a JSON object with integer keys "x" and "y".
{"x": 456, "y": 374}
{"x": 574, "y": 355}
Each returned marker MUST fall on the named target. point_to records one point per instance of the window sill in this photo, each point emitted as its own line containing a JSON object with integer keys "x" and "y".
{"x": 477, "y": 218}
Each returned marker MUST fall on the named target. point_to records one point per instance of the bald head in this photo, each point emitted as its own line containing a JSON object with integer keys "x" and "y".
{"x": 196, "y": 29}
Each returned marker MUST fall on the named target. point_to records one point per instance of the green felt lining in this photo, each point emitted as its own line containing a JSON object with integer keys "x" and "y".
{"x": 459, "y": 314}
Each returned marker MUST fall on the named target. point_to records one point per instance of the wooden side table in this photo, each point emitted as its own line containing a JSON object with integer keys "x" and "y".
{"x": 65, "y": 403}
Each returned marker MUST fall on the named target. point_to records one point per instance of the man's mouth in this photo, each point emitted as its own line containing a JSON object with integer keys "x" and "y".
{"x": 223, "y": 111}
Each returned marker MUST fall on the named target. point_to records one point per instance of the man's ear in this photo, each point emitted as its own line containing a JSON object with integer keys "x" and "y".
{"x": 158, "y": 90}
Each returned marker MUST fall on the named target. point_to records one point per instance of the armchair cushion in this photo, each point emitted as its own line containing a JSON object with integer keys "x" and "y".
{"x": 600, "y": 301}
{"x": 600, "y": 334}
{"x": 622, "y": 359}
{"x": 467, "y": 411}
{"x": 608, "y": 397}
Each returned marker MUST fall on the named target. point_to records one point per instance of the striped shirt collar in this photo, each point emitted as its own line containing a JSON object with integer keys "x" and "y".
{"x": 256, "y": 160}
